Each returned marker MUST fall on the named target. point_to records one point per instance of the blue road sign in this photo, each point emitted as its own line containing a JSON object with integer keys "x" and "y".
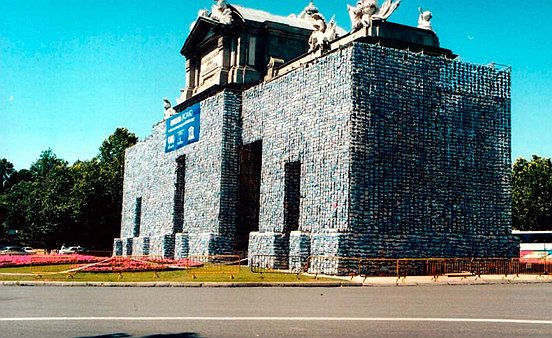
{"x": 183, "y": 128}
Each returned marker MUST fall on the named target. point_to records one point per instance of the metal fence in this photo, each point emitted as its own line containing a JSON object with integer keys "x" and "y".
{"x": 215, "y": 265}
{"x": 400, "y": 268}
{"x": 276, "y": 264}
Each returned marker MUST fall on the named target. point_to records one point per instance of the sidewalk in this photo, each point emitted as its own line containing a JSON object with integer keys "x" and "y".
{"x": 339, "y": 282}
{"x": 444, "y": 280}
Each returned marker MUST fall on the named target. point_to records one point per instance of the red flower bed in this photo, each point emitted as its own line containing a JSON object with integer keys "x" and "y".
{"x": 33, "y": 260}
{"x": 129, "y": 264}
{"x": 124, "y": 264}
{"x": 181, "y": 263}
{"x": 103, "y": 264}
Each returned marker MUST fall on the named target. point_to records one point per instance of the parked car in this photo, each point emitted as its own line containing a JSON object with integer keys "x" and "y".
{"x": 13, "y": 250}
{"x": 71, "y": 250}
{"x": 28, "y": 249}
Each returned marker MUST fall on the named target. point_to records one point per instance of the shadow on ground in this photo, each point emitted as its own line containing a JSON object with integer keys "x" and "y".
{"x": 169, "y": 335}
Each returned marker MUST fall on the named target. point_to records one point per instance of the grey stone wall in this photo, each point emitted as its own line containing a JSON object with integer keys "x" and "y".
{"x": 181, "y": 246}
{"x": 162, "y": 246}
{"x": 209, "y": 201}
{"x": 127, "y": 246}
{"x": 430, "y": 156}
{"x": 304, "y": 116}
{"x": 117, "y": 247}
{"x": 402, "y": 155}
{"x": 140, "y": 246}
{"x": 299, "y": 250}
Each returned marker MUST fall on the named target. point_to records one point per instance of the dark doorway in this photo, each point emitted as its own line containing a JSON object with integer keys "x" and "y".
{"x": 249, "y": 193}
{"x": 292, "y": 197}
{"x": 179, "y": 194}
{"x": 137, "y": 216}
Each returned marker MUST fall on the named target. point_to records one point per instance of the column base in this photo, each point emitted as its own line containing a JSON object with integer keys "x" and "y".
{"x": 269, "y": 250}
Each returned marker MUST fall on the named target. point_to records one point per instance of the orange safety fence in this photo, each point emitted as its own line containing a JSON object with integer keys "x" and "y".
{"x": 215, "y": 265}
{"x": 276, "y": 264}
{"x": 402, "y": 267}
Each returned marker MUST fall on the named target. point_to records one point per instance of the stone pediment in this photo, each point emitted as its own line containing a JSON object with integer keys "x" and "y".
{"x": 204, "y": 30}
{"x": 234, "y": 45}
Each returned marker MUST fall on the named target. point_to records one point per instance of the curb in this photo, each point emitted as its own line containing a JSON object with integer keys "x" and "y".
{"x": 405, "y": 283}
{"x": 179, "y": 285}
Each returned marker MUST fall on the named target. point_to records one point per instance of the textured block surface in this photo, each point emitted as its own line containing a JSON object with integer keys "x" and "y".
{"x": 394, "y": 154}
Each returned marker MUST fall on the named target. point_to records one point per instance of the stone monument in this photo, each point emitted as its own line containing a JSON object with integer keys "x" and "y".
{"x": 376, "y": 143}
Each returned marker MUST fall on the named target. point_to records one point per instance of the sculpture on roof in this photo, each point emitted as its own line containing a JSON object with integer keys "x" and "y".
{"x": 169, "y": 110}
{"x": 323, "y": 33}
{"x": 309, "y": 11}
{"x": 424, "y": 21}
{"x": 220, "y": 12}
{"x": 367, "y": 11}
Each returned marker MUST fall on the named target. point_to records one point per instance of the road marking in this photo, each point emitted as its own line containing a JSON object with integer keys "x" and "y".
{"x": 291, "y": 319}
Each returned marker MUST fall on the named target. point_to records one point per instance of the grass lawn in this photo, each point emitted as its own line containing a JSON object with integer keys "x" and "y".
{"x": 244, "y": 276}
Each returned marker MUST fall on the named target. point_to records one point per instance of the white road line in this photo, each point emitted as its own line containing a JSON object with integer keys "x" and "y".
{"x": 291, "y": 319}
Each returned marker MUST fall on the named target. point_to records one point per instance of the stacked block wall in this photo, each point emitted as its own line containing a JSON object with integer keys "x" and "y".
{"x": 303, "y": 116}
{"x": 430, "y": 157}
{"x": 210, "y": 190}
{"x": 402, "y": 155}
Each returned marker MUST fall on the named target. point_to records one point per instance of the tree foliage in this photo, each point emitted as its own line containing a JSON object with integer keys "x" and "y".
{"x": 53, "y": 203}
{"x": 532, "y": 194}
{"x": 6, "y": 174}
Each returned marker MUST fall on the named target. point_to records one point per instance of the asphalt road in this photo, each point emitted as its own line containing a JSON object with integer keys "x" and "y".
{"x": 433, "y": 311}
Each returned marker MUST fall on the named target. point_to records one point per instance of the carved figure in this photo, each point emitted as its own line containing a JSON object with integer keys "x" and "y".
{"x": 309, "y": 11}
{"x": 367, "y": 11}
{"x": 169, "y": 111}
{"x": 362, "y": 13}
{"x": 424, "y": 20}
{"x": 220, "y": 12}
{"x": 386, "y": 10}
{"x": 323, "y": 34}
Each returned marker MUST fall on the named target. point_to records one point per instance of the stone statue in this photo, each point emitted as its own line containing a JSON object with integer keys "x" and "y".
{"x": 386, "y": 10}
{"x": 367, "y": 11}
{"x": 323, "y": 34}
{"x": 169, "y": 110}
{"x": 424, "y": 21}
{"x": 220, "y": 12}
{"x": 308, "y": 12}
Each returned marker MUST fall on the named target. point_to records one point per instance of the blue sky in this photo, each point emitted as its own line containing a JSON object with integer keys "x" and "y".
{"x": 71, "y": 71}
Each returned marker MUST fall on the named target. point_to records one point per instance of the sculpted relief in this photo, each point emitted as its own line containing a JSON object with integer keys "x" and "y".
{"x": 169, "y": 110}
{"x": 236, "y": 60}
{"x": 324, "y": 33}
{"x": 424, "y": 21}
{"x": 220, "y": 12}
{"x": 367, "y": 11}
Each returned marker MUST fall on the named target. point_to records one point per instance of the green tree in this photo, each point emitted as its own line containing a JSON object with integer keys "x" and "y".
{"x": 532, "y": 194}
{"x": 113, "y": 148}
{"x": 87, "y": 202}
{"x": 41, "y": 208}
{"x": 17, "y": 205}
{"x": 3, "y": 215}
{"x": 111, "y": 163}
{"x": 53, "y": 203}
{"x": 9, "y": 178}
{"x": 7, "y": 171}
{"x": 98, "y": 190}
